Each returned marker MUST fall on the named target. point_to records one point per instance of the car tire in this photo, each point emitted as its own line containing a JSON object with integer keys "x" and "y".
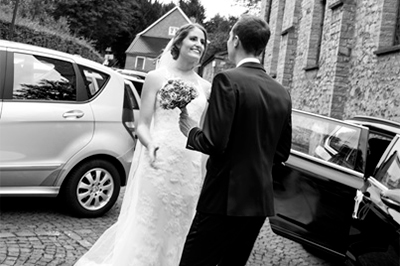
{"x": 91, "y": 188}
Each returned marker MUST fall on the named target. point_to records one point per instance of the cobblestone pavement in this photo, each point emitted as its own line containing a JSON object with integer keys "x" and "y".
{"x": 36, "y": 232}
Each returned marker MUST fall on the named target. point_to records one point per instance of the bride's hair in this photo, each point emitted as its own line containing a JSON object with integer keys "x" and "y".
{"x": 181, "y": 35}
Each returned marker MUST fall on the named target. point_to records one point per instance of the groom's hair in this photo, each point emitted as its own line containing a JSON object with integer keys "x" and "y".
{"x": 182, "y": 33}
{"x": 253, "y": 33}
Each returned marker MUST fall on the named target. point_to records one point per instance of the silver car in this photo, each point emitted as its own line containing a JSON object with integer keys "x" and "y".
{"x": 66, "y": 128}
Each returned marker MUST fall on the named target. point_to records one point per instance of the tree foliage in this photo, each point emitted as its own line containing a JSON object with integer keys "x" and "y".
{"x": 193, "y": 9}
{"x": 115, "y": 23}
{"x": 218, "y": 29}
{"x": 252, "y": 6}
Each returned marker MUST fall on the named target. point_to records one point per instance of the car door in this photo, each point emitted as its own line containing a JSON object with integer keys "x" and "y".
{"x": 314, "y": 190}
{"x": 377, "y": 216}
{"x": 43, "y": 122}
{"x": 386, "y": 176}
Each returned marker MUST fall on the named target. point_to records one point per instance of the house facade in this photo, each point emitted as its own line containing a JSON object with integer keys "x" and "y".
{"x": 338, "y": 58}
{"x": 142, "y": 54}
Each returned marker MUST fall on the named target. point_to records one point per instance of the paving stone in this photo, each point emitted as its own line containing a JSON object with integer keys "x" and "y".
{"x": 45, "y": 237}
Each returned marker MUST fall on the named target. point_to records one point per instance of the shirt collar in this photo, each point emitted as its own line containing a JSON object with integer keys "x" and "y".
{"x": 247, "y": 60}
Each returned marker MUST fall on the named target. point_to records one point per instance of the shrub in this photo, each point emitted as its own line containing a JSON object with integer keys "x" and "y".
{"x": 57, "y": 37}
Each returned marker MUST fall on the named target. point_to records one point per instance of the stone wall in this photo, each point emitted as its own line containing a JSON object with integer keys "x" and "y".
{"x": 336, "y": 56}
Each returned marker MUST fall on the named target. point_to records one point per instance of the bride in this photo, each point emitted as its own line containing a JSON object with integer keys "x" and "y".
{"x": 165, "y": 178}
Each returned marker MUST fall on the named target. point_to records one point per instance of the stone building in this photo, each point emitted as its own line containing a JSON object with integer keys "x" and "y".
{"x": 338, "y": 58}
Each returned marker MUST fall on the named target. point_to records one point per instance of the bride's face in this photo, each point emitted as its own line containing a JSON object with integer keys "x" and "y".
{"x": 193, "y": 45}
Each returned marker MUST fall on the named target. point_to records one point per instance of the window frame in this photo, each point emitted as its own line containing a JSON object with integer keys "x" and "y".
{"x": 144, "y": 62}
{"x": 9, "y": 75}
{"x": 172, "y": 30}
{"x": 389, "y": 25}
{"x": 363, "y": 136}
{"x": 318, "y": 16}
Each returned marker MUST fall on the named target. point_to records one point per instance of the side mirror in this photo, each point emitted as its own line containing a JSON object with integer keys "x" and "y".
{"x": 391, "y": 198}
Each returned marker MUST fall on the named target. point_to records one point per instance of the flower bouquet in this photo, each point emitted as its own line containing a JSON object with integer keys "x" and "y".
{"x": 176, "y": 93}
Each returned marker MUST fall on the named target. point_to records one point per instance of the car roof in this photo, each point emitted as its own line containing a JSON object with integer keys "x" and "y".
{"x": 132, "y": 73}
{"x": 47, "y": 51}
{"x": 131, "y": 78}
{"x": 379, "y": 124}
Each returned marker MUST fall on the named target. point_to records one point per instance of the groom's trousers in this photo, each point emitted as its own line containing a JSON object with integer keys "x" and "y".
{"x": 220, "y": 240}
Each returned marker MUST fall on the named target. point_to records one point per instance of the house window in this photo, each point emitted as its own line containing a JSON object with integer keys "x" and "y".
{"x": 172, "y": 31}
{"x": 139, "y": 63}
{"x": 397, "y": 29}
{"x": 389, "y": 31}
{"x": 316, "y": 31}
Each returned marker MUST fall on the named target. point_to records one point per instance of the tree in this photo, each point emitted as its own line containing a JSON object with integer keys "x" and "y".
{"x": 140, "y": 17}
{"x": 252, "y": 6}
{"x": 110, "y": 23}
{"x": 98, "y": 20}
{"x": 193, "y": 9}
{"x": 218, "y": 29}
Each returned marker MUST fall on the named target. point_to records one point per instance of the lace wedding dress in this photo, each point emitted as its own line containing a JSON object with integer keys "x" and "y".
{"x": 159, "y": 203}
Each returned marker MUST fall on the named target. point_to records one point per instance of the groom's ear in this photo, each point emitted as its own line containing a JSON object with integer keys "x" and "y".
{"x": 236, "y": 41}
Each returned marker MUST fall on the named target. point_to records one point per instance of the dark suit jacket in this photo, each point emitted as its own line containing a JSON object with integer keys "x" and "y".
{"x": 246, "y": 128}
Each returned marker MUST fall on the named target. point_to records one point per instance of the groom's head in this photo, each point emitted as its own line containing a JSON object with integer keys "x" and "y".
{"x": 252, "y": 32}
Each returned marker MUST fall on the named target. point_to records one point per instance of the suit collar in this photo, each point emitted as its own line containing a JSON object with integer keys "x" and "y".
{"x": 247, "y": 60}
{"x": 252, "y": 65}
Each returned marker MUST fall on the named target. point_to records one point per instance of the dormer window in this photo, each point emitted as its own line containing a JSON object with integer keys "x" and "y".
{"x": 172, "y": 31}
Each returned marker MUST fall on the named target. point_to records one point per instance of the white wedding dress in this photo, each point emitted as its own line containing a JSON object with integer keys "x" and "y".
{"x": 159, "y": 204}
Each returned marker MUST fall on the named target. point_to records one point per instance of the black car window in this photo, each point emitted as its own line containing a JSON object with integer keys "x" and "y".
{"x": 42, "y": 78}
{"x": 131, "y": 97}
{"x": 327, "y": 139}
{"x": 389, "y": 171}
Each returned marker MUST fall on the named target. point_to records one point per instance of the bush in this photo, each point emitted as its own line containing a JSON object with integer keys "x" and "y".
{"x": 57, "y": 38}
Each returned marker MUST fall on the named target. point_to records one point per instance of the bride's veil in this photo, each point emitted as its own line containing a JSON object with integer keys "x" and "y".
{"x": 166, "y": 56}
{"x": 111, "y": 247}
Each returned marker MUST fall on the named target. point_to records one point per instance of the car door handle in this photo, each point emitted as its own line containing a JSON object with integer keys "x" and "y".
{"x": 73, "y": 114}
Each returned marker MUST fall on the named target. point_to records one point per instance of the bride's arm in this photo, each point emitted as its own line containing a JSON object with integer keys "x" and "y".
{"x": 148, "y": 99}
{"x": 206, "y": 86}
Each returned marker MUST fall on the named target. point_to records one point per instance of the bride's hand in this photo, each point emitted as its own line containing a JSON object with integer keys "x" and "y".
{"x": 152, "y": 153}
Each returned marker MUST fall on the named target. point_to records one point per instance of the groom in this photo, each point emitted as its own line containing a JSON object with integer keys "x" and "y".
{"x": 246, "y": 130}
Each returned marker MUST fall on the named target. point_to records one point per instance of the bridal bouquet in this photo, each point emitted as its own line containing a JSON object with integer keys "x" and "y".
{"x": 176, "y": 93}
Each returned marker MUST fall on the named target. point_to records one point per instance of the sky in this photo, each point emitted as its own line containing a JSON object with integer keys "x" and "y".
{"x": 223, "y": 7}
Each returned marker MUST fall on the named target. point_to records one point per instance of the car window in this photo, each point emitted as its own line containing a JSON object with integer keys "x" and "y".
{"x": 42, "y": 78}
{"x": 131, "y": 96}
{"x": 139, "y": 86}
{"x": 94, "y": 80}
{"x": 327, "y": 139}
{"x": 389, "y": 172}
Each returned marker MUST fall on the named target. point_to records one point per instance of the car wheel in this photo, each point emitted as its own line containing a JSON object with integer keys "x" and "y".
{"x": 91, "y": 189}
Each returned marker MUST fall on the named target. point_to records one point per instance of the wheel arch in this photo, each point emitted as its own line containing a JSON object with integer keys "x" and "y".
{"x": 118, "y": 165}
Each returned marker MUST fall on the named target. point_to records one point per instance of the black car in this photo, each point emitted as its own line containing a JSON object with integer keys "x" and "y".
{"x": 339, "y": 190}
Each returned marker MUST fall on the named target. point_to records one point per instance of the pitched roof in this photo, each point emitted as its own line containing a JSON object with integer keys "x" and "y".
{"x": 149, "y": 46}
{"x": 176, "y": 8}
{"x": 157, "y": 31}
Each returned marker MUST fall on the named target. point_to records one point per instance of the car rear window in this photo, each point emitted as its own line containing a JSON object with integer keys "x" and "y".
{"x": 94, "y": 80}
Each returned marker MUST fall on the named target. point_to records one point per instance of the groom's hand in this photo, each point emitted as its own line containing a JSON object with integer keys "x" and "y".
{"x": 186, "y": 123}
